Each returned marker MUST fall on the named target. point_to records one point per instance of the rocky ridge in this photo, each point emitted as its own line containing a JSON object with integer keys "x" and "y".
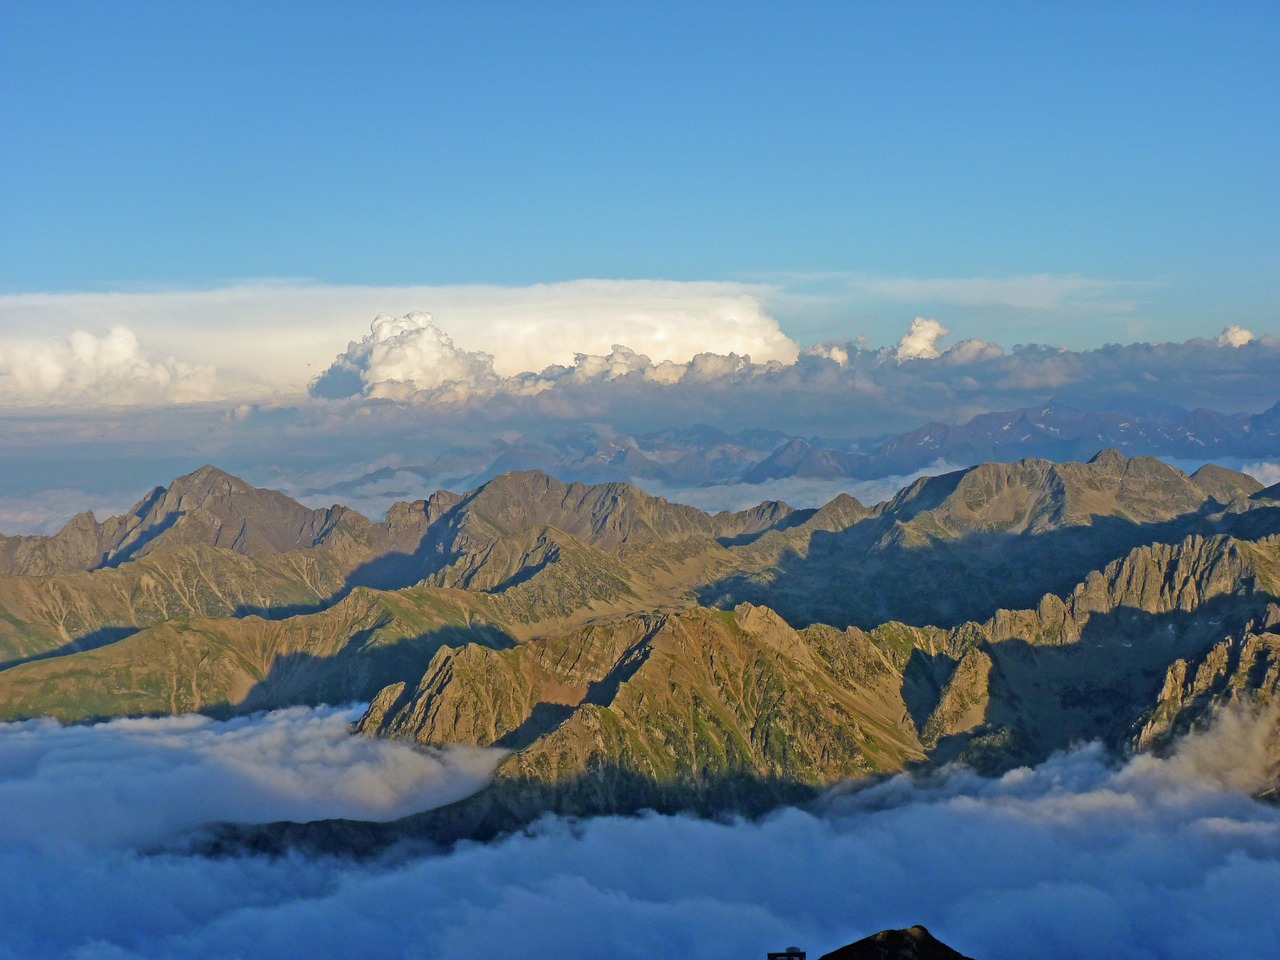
{"x": 635, "y": 653}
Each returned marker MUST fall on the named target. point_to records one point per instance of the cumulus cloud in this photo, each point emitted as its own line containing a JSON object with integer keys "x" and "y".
{"x": 832, "y": 351}
{"x": 275, "y": 337}
{"x": 82, "y": 368}
{"x": 920, "y": 342}
{"x": 536, "y": 327}
{"x": 410, "y": 358}
{"x": 1077, "y": 857}
{"x": 1266, "y": 472}
{"x": 973, "y": 350}
{"x": 400, "y": 357}
{"x": 1234, "y": 336}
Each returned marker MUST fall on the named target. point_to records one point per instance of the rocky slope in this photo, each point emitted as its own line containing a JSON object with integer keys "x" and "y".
{"x": 220, "y": 666}
{"x": 210, "y": 545}
{"x": 668, "y": 711}
{"x": 959, "y": 546}
{"x": 207, "y": 507}
{"x": 636, "y": 653}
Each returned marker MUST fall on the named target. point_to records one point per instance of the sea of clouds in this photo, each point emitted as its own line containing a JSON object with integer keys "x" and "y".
{"x": 1081, "y": 856}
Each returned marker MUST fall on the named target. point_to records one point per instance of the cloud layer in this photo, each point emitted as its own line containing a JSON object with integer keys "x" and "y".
{"x": 413, "y": 359}
{"x": 410, "y": 358}
{"x": 107, "y": 413}
{"x": 836, "y": 389}
{"x": 268, "y": 338}
{"x": 1077, "y": 857}
{"x": 82, "y": 369}
{"x": 134, "y": 783}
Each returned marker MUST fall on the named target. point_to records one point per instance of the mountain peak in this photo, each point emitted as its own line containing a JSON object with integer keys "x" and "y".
{"x": 209, "y": 478}
{"x": 1111, "y": 458}
{"x": 213, "y": 507}
{"x": 914, "y": 943}
{"x": 1224, "y": 485}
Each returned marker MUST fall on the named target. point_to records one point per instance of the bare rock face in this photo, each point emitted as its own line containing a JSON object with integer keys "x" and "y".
{"x": 597, "y": 632}
{"x": 691, "y": 699}
{"x": 208, "y": 507}
{"x": 1223, "y": 485}
{"x": 958, "y": 547}
{"x": 672, "y": 699}
{"x": 1244, "y": 668}
{"x": 914, "y": 943}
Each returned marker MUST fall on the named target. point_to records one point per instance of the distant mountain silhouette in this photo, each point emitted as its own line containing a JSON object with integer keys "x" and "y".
{"x": 914, "y": 943}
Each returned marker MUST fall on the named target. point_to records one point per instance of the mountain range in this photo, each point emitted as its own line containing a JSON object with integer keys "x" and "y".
{"x": 635, "y": 653}
{"x": 703, "y": 455}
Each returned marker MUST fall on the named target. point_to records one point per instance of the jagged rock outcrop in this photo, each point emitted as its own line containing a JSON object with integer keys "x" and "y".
{"x": 677, "y": 699}
{"x": 683, "y": 701}
{"x": 207, "y": 507}
{"x": 959, "y": 546}
{"x": 1240, "y": 668}
{"x": 561, "y": 621}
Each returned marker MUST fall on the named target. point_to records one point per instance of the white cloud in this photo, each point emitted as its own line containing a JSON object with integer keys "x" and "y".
{"x": 268, "y": 337}
{"x": 799, "y": 492}
{"x": 411, "y": 358}
{"x": 135, "y": 783}
{"x": 973, "y": 351}
{"x": 1074, "y": 858}
{"x": 1266, "y": 472}
{"x": 402, "y": 356}
{"x": 833, "y": 351}
{"x": 1234, "y": 336}
{"x": 920, "y": 342}
{"x": 46, "y": 511}
{"x": 532, "y": 328}
{"x": 82, "y": 368}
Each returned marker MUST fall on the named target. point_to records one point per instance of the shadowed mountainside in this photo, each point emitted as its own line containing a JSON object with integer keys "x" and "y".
{"x": 1132, "y": 653}
{"x": 562, "y": 622}
{"x": 957, "y": 547}
{"x": 914, "y": 943}
{"x": 213, "y": 546}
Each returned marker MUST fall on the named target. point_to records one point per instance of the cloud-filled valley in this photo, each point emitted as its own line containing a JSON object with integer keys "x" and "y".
{"x": 1081, "y": 856}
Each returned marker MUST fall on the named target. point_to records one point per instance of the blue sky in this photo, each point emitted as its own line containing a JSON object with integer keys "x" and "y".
{"x": 195, "y": 145}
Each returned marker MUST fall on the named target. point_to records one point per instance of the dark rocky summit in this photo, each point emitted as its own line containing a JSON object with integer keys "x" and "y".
{"x": 914, "y": 943}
